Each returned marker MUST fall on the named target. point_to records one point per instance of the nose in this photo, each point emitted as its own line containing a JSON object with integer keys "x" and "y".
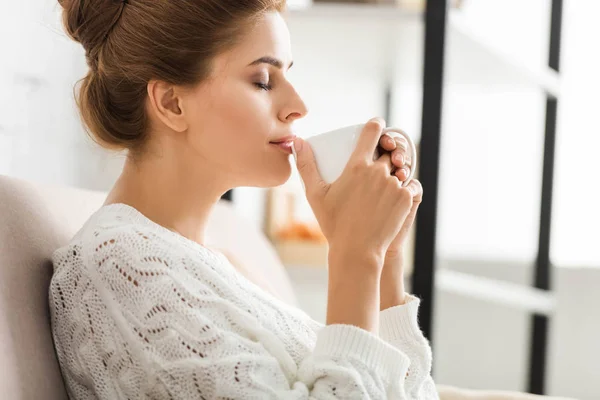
{"x": 294, "y": 108}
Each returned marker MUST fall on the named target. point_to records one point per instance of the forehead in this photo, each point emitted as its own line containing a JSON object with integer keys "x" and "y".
{"x": 269, "y": 37}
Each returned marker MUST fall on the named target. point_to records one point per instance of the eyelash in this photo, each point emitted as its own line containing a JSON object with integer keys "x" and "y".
{"x": 263, "y": 86}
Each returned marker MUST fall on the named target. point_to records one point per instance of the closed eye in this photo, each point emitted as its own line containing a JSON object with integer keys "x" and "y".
{"x": 263, "y": 86}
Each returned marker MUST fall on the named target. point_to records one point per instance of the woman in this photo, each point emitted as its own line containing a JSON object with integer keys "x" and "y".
{"x": 196, "y": 92}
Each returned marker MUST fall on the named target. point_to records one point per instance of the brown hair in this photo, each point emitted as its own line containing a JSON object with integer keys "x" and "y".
{"x": 130, "y": 42}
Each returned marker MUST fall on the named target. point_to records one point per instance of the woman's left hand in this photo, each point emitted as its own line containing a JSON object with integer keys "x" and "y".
{"x": 402, "y": 163}
{"x": 392, "y": 278}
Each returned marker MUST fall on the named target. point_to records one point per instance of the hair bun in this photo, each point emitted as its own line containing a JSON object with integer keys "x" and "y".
{"x": 90, "y": 21}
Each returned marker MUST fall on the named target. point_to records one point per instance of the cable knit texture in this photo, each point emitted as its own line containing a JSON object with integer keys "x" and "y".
{"x": 140, "y": 312}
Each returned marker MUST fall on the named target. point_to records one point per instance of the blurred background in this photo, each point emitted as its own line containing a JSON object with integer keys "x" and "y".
{"x": 354, "y": 61}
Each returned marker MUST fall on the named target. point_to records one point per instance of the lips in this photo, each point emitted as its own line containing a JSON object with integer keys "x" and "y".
{"x": 285, "y": 146}
{"x": 284, "y": 139}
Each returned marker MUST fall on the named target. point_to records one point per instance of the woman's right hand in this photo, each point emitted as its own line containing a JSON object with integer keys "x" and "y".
{"x": 364, "y": 209}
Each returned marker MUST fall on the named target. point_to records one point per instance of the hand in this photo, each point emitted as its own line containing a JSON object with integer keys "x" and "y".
{"x": 401, "y": 160}
{"x": 401, "y": 165}
{"x": 392, "y": 277}
{"x": 364, "y": 185}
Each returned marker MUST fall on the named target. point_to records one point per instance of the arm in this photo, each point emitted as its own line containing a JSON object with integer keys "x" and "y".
{"x": 353, "y": 289}
{"x": 188, "y": 339}
{"x": 399, "y": 326}
{"x": 392, "y": 282}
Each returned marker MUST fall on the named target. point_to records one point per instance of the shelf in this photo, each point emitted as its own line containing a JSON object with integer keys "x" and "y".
{"x": 507, "y": 294}
{"x": 504, "y": 293}
{"x": 542, "y": 77}
{"x": 382, "y": 11}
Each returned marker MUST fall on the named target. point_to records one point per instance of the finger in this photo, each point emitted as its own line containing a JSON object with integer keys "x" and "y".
{"x": 401, "y": 142}
{"x": 307, "y": 167}
{"x": 402, "y": 173}
{"x": 410, "y": 219}
{"x": 387, "y": 142}
{"x": 398, "y": 158}
{"x": 386, "y": 161}
{"x": 368, "y": 140}
{"x": 416, "y": 189}
{"x": 402, "y": 146}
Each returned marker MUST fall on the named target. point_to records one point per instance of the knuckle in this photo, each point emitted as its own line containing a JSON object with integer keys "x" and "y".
{"x": 381, "y": 167}
{"x": 303, "y": 167}
{"x": 392, "y": 181}
{"x": 358, "y": 166}
{"x": 404, "y": 194}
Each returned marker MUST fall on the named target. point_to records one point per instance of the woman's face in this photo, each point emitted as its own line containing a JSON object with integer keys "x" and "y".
{"x": 246, "y": 104}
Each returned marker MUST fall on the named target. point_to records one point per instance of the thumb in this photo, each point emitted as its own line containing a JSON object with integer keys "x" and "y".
{"x": 307, "y": 167}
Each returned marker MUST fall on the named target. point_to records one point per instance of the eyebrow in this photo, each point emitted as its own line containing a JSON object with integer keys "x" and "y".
{"x": 271, "y": 61}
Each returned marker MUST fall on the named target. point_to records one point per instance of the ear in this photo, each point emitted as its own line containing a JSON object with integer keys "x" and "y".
{"x": 166, "y": 104}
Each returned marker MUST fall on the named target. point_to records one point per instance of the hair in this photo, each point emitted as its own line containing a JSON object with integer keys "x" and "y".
{"x": 130, "y": 42}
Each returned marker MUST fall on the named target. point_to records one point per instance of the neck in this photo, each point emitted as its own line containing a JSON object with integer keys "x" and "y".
{"x": 170, "y": 193}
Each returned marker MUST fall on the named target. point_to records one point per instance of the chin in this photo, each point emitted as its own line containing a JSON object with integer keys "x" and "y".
{"x": 276, "y": 177}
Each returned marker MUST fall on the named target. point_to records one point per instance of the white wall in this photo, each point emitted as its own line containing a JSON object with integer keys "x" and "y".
{"x": 575, "y": 329}
{"x": 40, "y": 133}
{"x": 576, "y": 217}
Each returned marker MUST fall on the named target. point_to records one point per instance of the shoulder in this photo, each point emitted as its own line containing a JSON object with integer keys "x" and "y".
{"x": 115, "y": 240}
{"x": 118, "y": 239}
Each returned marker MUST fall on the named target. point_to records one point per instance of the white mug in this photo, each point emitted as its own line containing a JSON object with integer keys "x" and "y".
{"x": 333, "y": 149}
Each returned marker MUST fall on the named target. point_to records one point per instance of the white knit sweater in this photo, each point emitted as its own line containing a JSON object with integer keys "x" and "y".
{"x": 140, "y": 312}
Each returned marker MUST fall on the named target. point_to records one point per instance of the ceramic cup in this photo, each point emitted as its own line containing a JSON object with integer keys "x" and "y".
{"x": 333, "y": 149}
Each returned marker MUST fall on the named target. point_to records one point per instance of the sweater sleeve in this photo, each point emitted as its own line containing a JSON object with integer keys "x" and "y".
{"x": 181, "y": 336}
{"x": 399, "y": 327}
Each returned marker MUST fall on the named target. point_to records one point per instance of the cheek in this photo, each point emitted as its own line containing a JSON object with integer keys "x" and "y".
{"x": 249, "y": 111}
{"x": 240, "y": 112}
{"x": 236, "y": 121}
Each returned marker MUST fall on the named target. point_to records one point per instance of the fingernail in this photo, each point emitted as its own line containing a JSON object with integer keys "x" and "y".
{"x": 404, "y": 174}
{"x": 399, "y": 158}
